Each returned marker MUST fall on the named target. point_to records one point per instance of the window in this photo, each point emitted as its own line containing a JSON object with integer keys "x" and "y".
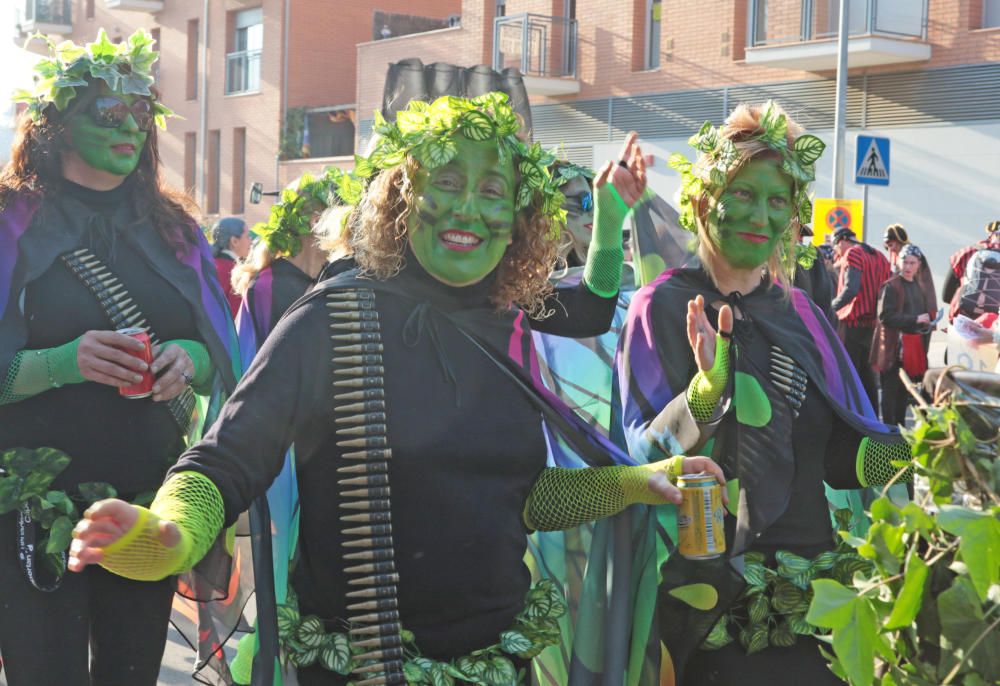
{"x": 190, "y": 162}
{"x": 214, "y": 172}
{"x": 89, "y": 9}
{"x": 243, "y": 62}
{"x": 758, "y": 22}
{"x": 191, "y": 86}
{"x": 329, "y": 133}
{"x": 654, "y": 9}
{"x": 571, "y": 9}
{"x": 991, "y": 14}
{"x": 239, "y": 168}
{"x": 501, "y": 10}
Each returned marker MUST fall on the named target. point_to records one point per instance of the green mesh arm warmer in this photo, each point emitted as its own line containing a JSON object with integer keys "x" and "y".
{"x": 192, "y": 502}
{"x": 202, "y": 361}
{"x": 34, "y": 371}
{"x": 874, "y": 463}
{"x": 603, "y": 271}
{"x": 706, "y": 388}
{"x": 564, "y": 498}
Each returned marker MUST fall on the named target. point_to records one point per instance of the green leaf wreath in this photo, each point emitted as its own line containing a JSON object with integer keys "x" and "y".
{"x": 426, "y": 132}
{"x": 25, "y": 477}
{"x": 125, "y": 67}
{"x": 719, "y": 158}
{"x": 290, "y": 217}
{"x": 304, "y": 642}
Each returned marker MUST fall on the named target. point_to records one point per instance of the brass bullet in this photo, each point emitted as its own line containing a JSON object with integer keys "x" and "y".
{"x": 376, "y": 617}
{"x": 375, "y": 579}
{"x": 363, "y": 294}
{"x": 375, "y": 555}
{"x": 369, "y": 455}
{"x": 383, "y": 517}
{"x": 373, "y": 480}
{"x": 366, "y": 468}
{"x": 369, "y": 442}
{"x": 366, "y": 394}
{"x": 365, "y": 304}
{"x": 362, "y": 407}
{"x": 357, "y": 349}
{"x": 355, "y": 326}
{"x": 376, "y": 530}
{"x": 364, "y": 370}
{"x": 366, "y": 505}
{"x": 368, "y": 359}
{"x": 380, "y": 605}
{"x": 363, "y": 430}
{"x": 375, "y": 492}
{"x": 375, "y": 592}
{"x": 389, "y": 680}
{"x": 371, "y": 568}
{"x": 366, "y": 338}
{"x": 80, "y": 251}
{"x": 366, "y": 418}
{"x": 386, "y": 668}
{"x": 383, "y": 641}
{"x": 376, "y": 542}
{"x": 359, "y": 382}
{"x": 383, "y": 628}
{"x": 357, "y": 316}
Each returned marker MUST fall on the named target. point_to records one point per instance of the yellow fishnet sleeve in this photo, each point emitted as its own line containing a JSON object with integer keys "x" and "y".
{"x": 707, "y": 387}
{"x": 192, "y": 502}
{"x": 564, "y": 498}
{"x": 874, "y": 462}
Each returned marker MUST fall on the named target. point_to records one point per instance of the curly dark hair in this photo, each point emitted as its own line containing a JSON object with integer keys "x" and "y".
{"x": 378, "y": 240}
{"x": 36, "y": 167}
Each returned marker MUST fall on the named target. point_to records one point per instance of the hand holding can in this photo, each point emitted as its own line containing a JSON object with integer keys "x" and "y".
{"x": 144, "y": 387}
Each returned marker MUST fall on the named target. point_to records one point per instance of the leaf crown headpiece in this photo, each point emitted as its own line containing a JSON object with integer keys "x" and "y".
{"x": 720, "y": 157}
{"x": 426, "y": 132}
{"x": 125, "y": 67}
{"x": 290, "y": 216}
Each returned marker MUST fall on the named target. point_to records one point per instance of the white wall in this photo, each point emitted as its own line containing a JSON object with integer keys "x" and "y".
{"x": 945, "y": 183}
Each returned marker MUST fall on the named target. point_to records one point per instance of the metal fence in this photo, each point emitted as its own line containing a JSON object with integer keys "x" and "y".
{"x": 243, "y": 72}
{"x": 536, "y": 44}
{"x": 773, "y": 22}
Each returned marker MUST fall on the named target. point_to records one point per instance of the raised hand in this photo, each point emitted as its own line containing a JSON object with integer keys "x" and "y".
{"x": 701, "y": 334}
{"x": 628, "y": 174}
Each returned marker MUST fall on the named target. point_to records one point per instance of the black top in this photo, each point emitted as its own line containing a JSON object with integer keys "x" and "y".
{"x": 100, "y": 430}
{"x": 902, "y": 316}
{"x": 467, "y": 446}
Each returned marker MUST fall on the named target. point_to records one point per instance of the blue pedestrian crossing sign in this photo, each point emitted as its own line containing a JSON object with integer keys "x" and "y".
{"x": 872, "y": 161}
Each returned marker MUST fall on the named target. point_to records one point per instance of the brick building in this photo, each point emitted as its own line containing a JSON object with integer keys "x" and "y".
{"x": 234, "y": 70}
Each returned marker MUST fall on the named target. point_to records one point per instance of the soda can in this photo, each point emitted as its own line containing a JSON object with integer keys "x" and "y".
{"x": 701, "y": 534}
{"x": 144, "y": 387}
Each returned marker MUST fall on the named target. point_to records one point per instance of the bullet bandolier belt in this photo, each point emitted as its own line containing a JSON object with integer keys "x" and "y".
{"x": 122, "y": 311}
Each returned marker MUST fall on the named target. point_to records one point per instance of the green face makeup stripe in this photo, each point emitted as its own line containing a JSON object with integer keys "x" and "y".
{"x": 115, "y": 151}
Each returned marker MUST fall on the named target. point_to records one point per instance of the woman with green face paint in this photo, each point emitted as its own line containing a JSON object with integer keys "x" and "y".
{"x": 92, "y": 244}
{"x": 761, "y": 383}
{"x": 409, "y": 388}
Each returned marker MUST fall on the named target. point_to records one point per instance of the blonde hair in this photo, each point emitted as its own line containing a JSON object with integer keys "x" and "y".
{"x": 741, "y": 127}
{"x": 377, "y": 236}
{"x": 261, "y": 257}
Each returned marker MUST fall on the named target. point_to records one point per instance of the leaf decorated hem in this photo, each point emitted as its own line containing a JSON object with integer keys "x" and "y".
{"x": 304, "y": 642}
{"x": 719, "y": 158}
{"x": 126, "y": 67}
{"x": 426, "y": 132}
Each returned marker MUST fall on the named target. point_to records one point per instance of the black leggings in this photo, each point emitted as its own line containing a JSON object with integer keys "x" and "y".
{"x": 44, "y": 637}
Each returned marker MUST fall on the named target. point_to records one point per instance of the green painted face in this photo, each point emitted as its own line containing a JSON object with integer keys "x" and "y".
{"x": 462, "y": 219}
{"x": 753, "y": 213}
{"x": 114, "y": 151}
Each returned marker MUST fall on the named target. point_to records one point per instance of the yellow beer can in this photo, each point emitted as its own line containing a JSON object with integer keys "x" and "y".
{"x": 701, "y": 534}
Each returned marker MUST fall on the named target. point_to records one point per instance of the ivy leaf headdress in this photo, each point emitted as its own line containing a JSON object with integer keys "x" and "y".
{"x": 720, "y": 157}
{"x": 426, "y": 132}
{"x": 125, "y": 67}
{"x": 290, "y": 216}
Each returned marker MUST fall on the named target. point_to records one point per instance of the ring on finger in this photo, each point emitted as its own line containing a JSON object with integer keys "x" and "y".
{"x": 623, "y": 163}
{"x": 188, "y": 378}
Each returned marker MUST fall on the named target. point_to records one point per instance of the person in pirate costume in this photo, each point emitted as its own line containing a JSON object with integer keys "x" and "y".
{"x": 91, "y": 242}
{"x": 772, "y": 397}
{"x": 410, "y": 392}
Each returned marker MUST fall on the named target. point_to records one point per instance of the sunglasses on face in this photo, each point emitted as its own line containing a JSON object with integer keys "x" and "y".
{"x": 584, "y": 200}
{"x": 110, "y": 113}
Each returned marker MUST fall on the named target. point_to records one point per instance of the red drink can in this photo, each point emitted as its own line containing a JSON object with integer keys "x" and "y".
{"x": 143, "y": 388}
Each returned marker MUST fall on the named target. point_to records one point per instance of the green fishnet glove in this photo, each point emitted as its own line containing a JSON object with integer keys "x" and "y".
{"x": 706, "y": 388}
{"x": 603, "y": 271}
{"x": 874, "y": 462}
{"x": 35, "y": 371}
{"x": 564, "y": 498}
{"x": 202, "y": 361}
{"x": 241, "y": 668}
{"x": 192, "y": 502}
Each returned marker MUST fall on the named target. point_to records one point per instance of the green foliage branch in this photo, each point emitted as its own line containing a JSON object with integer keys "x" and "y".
{"x": 928, "y": 611}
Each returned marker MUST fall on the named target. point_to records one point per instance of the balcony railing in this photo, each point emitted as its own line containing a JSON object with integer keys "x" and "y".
{"x": 776, "y": 22}
{"x": 536, "y": 44}
{"x": 243, "y": 72}
{"x": 47, "y": 16}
